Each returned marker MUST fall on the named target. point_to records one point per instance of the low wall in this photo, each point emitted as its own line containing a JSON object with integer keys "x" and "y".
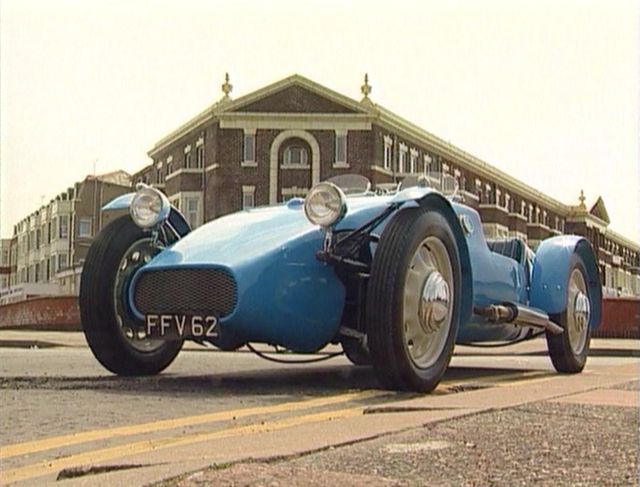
{"x": 620, "y": 318}
{"x": 42, "y": 313}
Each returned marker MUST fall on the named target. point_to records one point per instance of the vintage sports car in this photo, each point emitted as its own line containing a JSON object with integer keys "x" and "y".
{"x": 397, "y": 276}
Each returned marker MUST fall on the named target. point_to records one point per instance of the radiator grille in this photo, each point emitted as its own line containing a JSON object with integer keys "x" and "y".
{"x": 186, "y": 291}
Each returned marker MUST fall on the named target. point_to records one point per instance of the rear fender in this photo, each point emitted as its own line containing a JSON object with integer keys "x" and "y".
{"x": 176, "y": 219}
{"x": 551, "y": 275}
{"x": 436, "y": 201}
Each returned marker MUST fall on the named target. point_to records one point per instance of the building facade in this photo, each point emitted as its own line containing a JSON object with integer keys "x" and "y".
{"x": 275, "y": 143}
{"x": 49, "y": 245}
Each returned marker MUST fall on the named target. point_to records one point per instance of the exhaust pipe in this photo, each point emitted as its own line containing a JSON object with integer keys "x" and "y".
{"x": 518, "y": 315}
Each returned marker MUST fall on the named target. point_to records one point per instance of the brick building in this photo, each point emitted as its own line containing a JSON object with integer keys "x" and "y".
{"x": 49, "y": 245}
{"x": 275, "y": 143}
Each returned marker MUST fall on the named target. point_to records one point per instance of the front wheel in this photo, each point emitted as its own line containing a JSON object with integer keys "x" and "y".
{"x": 116, "y": 338}
{"x": 569, "y": 350}
{"x": 413, "y": 300}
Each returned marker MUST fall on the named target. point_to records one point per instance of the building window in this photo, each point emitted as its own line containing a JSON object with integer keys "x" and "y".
{"x": 248, "y": 197}
{"x": 187, "y": 160}
{"x": 62, "y": 261}
{"x": 402, "y": 160}
{"x": 5, "y": 258}
{"x": 192, "y": 210}
{"x": 249, "y": 147}
{"x": 427, "y": 163}
{"x": 84, "y": 227}
{"x": 388, "y": 152}
{"x": 52, "y": 265}
{"x": 64, "y": 226}
{"x": 169, "y": 165}
{"x": 341, "y": 148}
{"x": 200, "y": 157}
{"x": 413, "y": 161}
{"x": 295, "y": 156}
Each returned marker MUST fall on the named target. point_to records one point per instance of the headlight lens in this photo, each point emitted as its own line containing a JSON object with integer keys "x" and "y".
{"x": 325, "y": 205}
{"x": 149, "y": 207}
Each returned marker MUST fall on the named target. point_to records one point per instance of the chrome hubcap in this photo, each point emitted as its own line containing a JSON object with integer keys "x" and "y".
{"x": 427, "y": 311}
{"x": 578, "y": 312}
{"x": 434, "y": 305}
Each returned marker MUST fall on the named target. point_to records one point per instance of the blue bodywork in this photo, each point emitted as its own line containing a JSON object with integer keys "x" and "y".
{"x": 288, "y": 297}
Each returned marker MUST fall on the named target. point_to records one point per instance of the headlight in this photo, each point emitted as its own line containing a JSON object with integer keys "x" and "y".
{"x": 325, "y": 205}
{"x": 149, "y": 207}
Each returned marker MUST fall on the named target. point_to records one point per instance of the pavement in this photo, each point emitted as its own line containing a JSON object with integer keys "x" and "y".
{"x": 534, "y": 427}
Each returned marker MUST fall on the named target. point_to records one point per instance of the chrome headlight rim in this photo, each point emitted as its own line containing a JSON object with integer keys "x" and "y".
{"x": 149, "y": 207}
{"x": 332, "y": 198}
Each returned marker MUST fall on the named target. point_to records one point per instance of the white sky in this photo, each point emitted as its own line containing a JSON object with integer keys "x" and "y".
{"x": 545, "y": 90}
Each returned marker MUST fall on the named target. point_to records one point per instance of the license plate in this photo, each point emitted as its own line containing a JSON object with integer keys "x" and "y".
{"x": 181, "y": 326}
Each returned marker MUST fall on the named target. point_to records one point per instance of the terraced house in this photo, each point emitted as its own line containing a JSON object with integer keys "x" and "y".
{"x": 275, "y": 143}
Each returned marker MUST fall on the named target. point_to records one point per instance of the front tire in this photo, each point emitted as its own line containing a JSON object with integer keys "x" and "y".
{"x": 356, "y": 351}
{"x": 115, "y": 337}
{"x": 569, "y": 350}
{"x": 413, "y": 300}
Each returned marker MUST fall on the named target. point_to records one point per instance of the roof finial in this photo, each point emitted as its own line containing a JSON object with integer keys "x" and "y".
{"x": 366, "y": 87}
{"x": 226, "y": 86}
{"x": 582, "y": 199}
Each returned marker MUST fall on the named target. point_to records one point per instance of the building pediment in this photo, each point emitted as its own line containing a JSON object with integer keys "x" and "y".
{"x": 600, "y": 211}
{"x": 295, "y": 94}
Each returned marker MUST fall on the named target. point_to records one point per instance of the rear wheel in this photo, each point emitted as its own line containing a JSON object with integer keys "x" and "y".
{"x": 413, "y": 301}
{"x": 569, "y": 350}
{"x": 116, "y": 338}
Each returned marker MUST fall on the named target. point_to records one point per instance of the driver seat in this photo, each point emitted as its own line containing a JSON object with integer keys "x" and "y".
{"x": 509, "y": 247}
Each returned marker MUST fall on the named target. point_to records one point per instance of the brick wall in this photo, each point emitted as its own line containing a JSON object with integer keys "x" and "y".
{"x": 620, "y": 318}
{"x": 44, "y": 313}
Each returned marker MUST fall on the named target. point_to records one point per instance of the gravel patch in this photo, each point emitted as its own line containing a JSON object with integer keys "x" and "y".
{"x": 543, "y": 443}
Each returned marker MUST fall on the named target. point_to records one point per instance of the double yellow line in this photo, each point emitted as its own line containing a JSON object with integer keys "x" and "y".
{"x": 94, "y": 456}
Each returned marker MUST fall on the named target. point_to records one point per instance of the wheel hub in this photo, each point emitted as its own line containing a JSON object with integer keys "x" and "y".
{"x": 582, "y": 310}
{"x": 434, "y": 303}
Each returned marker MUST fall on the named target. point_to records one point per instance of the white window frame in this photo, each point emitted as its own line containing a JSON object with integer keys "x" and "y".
{"x": 413, "y": 161}
{"x": 180, "y": 201}
{"x": 248, "y": 197}
{"x": 59, "y": 264}
{"x": 340, "y": 149}
{"x": 249, "y": 157}
{"x": 200, "y": 157}
{"x": 287, "y": 156}
{"x": 402, "y": 158}
{"x": 85, "y": 220}
{"x": 64, "y": 218}
{"x": 388, "y": 152}
{"x": 193, "y": 217}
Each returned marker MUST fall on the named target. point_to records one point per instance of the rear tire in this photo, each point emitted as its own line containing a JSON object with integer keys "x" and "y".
{"x": 569, "y": 350}
{"x": 112, "y": 333}
{"x": 413, "y": 301}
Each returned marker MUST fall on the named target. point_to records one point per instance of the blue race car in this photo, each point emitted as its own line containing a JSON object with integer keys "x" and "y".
{"x": 397, "y": 276}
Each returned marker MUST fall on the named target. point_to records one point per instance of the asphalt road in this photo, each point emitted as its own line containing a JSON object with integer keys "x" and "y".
{"x": 63, "y": 417}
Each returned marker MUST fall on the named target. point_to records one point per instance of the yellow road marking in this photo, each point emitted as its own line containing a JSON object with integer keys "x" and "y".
{"x": 85, "y": 436}
{"x": 48, "y": 466}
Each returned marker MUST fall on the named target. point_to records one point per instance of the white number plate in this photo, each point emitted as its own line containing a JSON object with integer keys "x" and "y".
{"x": 181, "y": 326}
